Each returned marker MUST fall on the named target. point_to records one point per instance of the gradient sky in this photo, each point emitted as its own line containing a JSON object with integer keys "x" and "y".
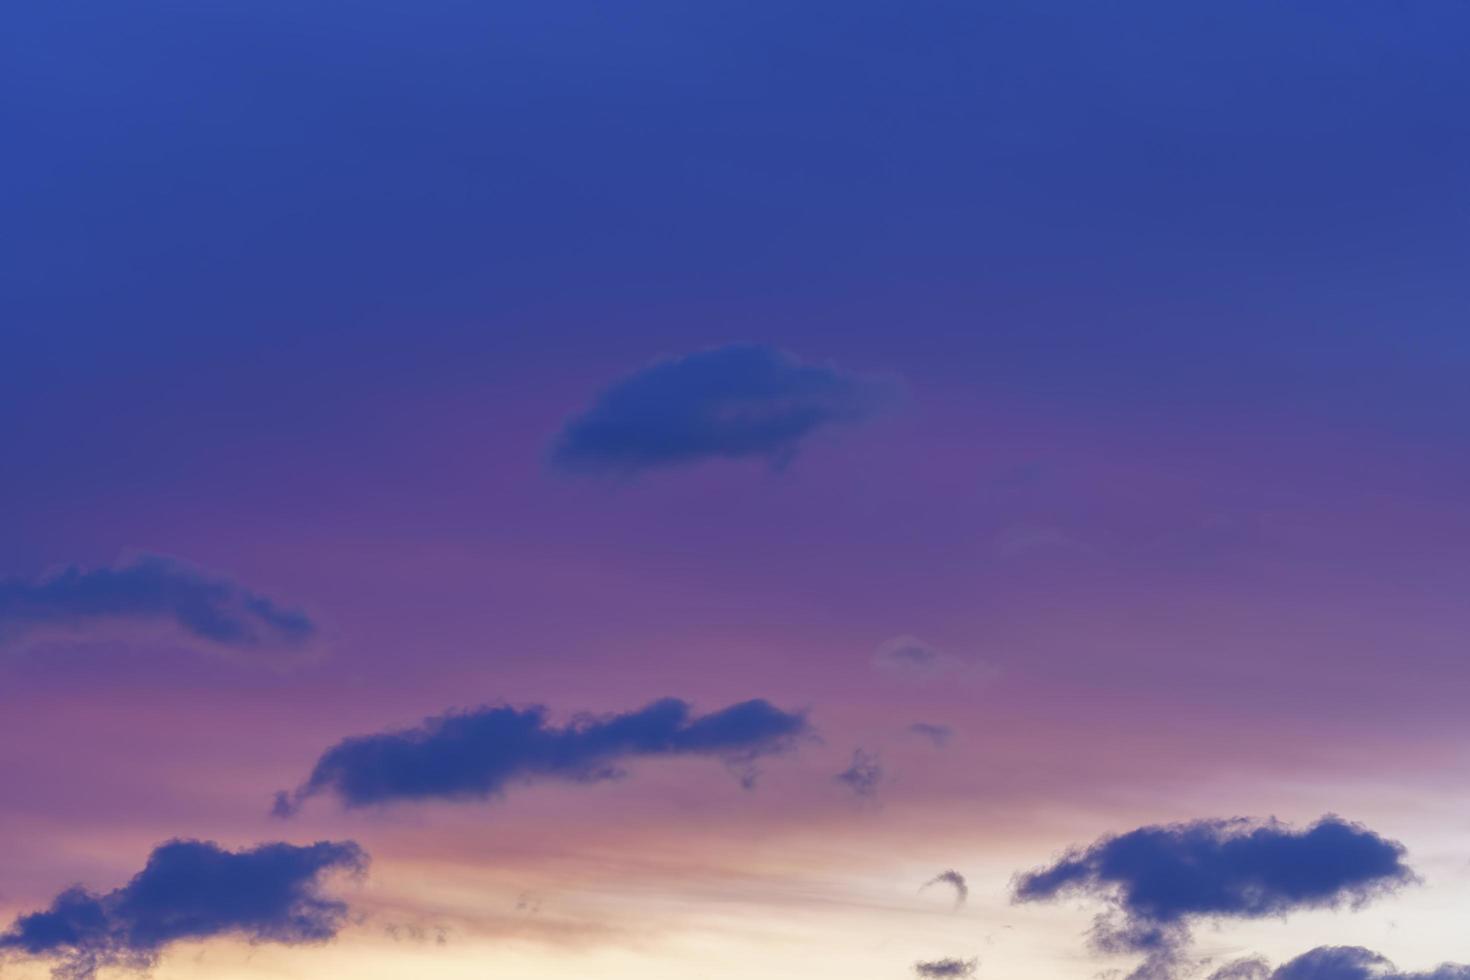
{"x": 1094, "y": 383}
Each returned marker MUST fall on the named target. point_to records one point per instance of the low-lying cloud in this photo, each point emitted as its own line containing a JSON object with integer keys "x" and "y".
{"x": 478, "y": 754}
{"x": 1336, "y": 963}
{"x": 189, "y": 890}
{"x": 1156, "y": 881}
{"x": 737, "y": 401}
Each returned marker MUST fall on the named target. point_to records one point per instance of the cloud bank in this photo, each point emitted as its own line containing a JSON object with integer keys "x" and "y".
{"x": 478, "y": 754}
{"x": 1157, "y": 880}
{"x": 189, "y": 890}
{"x": 1336, "y": 963}
{"x": 732, "y": 402}
{"x": 152, "y": 591}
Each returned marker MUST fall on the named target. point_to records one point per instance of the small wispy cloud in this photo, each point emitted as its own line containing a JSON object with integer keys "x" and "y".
{"x": 863, "y": 775}
{"x": 912, "y": 660}
{"x": 937, "y": 734}
{"x": 954, "y": 880}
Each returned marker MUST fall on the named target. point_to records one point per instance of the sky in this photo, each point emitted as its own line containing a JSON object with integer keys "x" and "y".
{"x": 659, "y": 490}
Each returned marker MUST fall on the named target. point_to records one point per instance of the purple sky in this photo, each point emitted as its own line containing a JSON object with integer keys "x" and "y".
{"x": 1109, "y": 364}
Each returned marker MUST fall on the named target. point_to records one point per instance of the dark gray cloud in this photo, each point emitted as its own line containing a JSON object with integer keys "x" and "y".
{"x": 154, "y": 591}
{"x": 946, "y": 969}
{"x": 189, "y": 890}
{"x": 742, "y": 400}
{"x": 1336, "y": 963}
{"x": 478, "y": 754}
{"x": 954, "y": 880}
{"x": 863, "y": 776}
{"x": 1155, "y": 881}
{"x": 938, "y": 734}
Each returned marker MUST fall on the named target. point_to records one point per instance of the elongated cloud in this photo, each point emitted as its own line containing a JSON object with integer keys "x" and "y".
{"x": 1155, "y": 881}
{"x": 189, "y": 890}
{"x": 477, "y": 754}
{"x": 946, "y": 969}
{"x": 954, "y": 880}
{"x": 151, "y": 591}
{"x": 730, "y": 402}
{"x": 1226, "y": 868}
{"x": 1336, "y": 963}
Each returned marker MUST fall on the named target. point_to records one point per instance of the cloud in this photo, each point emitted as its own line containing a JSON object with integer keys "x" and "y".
{"x": 1335, "y": 963}
{"x": 152, "y": 591}
{"x": 477, "y": 754}
{"x": 913, "y": 661}
{"x": 955, "y": 880}
{"x": 1247, "y": 969}
{"x": 732, "y": 402}
{"x": 863, "y": 776}
{"x": 189, "y": 890}
{"x": 1234, "y": 868}
{"x": 938, "y": 734}
{"x": 947, "y": 969}
{"x": 1157, "y": 880}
